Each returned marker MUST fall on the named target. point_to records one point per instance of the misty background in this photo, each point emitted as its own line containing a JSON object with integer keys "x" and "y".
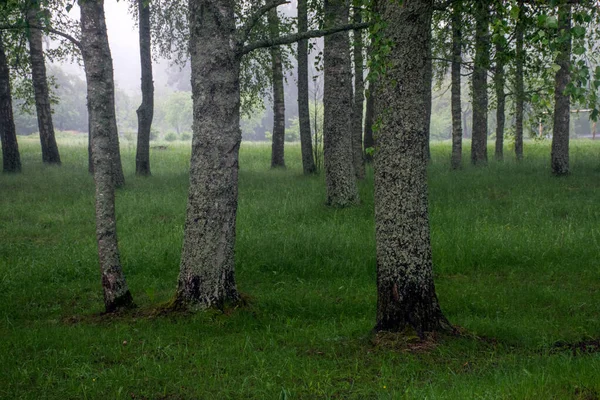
{"x": 173, "y": 103}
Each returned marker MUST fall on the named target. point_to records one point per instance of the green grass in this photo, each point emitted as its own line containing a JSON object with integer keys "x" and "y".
{"x": 516, "y": 254}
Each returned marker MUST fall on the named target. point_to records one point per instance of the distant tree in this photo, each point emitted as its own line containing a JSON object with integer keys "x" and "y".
{"x": 519, "y": 80}
{"x": 70, "y": 111}
{"x": 145, "y": 112}
{"x": 480, "y": 97}
{"x": 178, "y": 111}
{"x": 342, "y": 190}
{"x": 369, "y": 140}
{"x": 359, "y": 94}
{"x": 50, "y": 154}
{"x": 11, "y": 159}
{"x": 456, "y": 66}
{"x": 501, "y": 47}
{"x": 278, "y": 139}
{"x": 562, "y": 99}
{"x": 405, "y": 289}
{"x": 308, "y": 160}
{"x": 103, "y": 130}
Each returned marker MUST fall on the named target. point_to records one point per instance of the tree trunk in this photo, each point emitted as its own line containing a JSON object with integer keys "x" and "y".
{"x": 11, "y": 160}
{"x": 100, "y": 89}
{"x": 369, "y": 139}
{"x": 206, "y": 277}
{"x": 405, "y": 288}
{"x": 308, "y": 161}
{"x": 456, "y": 159}
{"x": 277, "y": 148}
{"x": 519, "y": 83}
{"x": 501, "y": 100}
{"x": 562, "y": 101}
{"x": 145, "y": 112}
{"x": 480, "y": 97}
{"x": 50, "y": 153}
{"x": 99, "y": 49}
{"x": 428, "y": 105}
{"x": 342, "y": 190}
{"x": 359, "y": 96}
{"x": 89, "y": 152}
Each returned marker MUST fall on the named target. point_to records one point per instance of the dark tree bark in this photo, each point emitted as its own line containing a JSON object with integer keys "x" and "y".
{"x": 428, "y": 105}
{"x": 342, "y": 190}
{"x": 562, "y": 101}
{"x": 480, "y": 96}
{"x": 98, "y": 66}
{"x": 145, "y": 112}
{"x": 499, "y": 81}
{"x": 405, "y": 288}
{"x": 519, "y": 82}
{"x": 206, "y": 277}
{"x": 456, "y": 159}
{"x": 90, "y": 160}
{"x": 50, "y": 154}
{"x": 369, "y": 139}
{"x": 278, "y": 144}
{"x": 11, "y": 159}
{"x": 359, "y": 96}
{"x": 308, "y": 160}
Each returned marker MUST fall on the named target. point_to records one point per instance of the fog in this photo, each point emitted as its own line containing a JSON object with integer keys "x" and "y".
{"x": 168, "y": 79}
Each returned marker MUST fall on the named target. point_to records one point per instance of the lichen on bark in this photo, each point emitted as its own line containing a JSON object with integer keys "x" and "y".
{"x": 342, "y": 190}
{"x": 102, "y": 121}
{"x": 207, "y": 274}
{"x": 405, "y": 289}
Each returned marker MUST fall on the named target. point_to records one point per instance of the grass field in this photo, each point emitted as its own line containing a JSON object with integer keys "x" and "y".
{"x": 517, "y": 265}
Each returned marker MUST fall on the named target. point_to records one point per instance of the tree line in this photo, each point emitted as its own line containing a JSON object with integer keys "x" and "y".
{"x": 543, "y": 52}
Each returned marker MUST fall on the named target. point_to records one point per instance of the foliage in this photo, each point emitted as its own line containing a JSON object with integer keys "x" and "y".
{"x": 171, "y": 137}
{"x": 178, "y": 111}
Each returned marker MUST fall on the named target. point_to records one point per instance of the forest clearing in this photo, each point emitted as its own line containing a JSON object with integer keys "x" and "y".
{"x": 515, "y": 255}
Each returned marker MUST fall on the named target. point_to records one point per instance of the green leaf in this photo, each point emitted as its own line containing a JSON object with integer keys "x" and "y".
{"x": 579, "y": 50}
{"x": 552, "y": 22}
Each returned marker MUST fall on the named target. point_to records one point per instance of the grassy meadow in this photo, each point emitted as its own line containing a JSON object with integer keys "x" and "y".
{"x": 517, "y": 266}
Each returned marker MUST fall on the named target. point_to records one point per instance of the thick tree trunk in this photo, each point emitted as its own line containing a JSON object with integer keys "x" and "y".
{"x": 519, "y": 83}
{"x": 89, "y": 152}
{"x": 308, "y": 160}
{"x": 342, "y": 190}
{"x": 50, "y": 154}
{"x": 145, "y": 112}
{"x": 100, "y": 89}
{"x": 456, "y": 159}
{"x": 359, "y": 96}
{"x": 501, "y": 100}
{"x": 277, "y": 148}
{"x": 206, "y": 277}
{"x": 11, "y": 159}
{"x": 480, "y": 97}
{"x": 428, "y": 105}
{"x": 369, "y": 139}
{"x": 562, "y": 101}
{"x": 405, "y": 289}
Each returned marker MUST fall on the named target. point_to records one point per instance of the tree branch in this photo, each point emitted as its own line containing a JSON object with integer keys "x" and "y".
{"x": 256, "y": 16}
{"x": 289, "y": 39}
{"x": 42, "y": 28}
